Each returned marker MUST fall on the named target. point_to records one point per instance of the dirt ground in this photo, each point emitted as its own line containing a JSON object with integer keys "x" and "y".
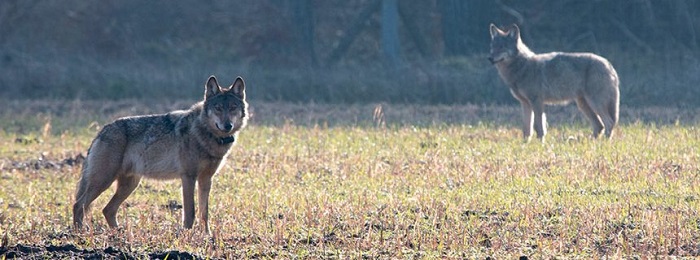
{"x": 72, "y": 252}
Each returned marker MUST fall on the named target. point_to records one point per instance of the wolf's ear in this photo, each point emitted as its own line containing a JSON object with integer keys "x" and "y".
{"x": 514, "y": 31}
{"x": 494, "y": 30}
{"x": 238, "y": 87}
{"x": 212, "y": 87}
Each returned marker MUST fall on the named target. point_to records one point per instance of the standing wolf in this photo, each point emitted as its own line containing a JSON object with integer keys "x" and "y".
{"x": 551, "y": 78}
{"x": 186, "y": 144}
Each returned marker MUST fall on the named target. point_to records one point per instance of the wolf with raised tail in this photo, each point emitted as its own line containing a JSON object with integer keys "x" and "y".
{"x": 556, "y": 78}
{"x": 187, "y": 144}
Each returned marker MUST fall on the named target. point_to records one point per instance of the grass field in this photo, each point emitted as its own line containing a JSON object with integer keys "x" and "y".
{"x": 375, "y": 181}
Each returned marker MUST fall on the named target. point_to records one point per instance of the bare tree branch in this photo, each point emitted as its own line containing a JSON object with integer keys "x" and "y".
{"x": 634, "y": 38}
{"x": 686, "y": 18}
{"x": 524, "y": 27}
{"x": 355, "y": 28}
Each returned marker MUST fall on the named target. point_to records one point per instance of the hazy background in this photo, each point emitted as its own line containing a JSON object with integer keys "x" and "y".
{"x": 334, "y": 51}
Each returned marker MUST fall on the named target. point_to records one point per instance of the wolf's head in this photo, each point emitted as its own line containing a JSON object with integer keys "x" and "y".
{"x": 506, "y": 44}
{"x": 225, "y": 109}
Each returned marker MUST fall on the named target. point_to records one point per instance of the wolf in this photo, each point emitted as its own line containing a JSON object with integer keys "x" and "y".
{"x": 187, "y": 144}
{"x": 556, "y": 78}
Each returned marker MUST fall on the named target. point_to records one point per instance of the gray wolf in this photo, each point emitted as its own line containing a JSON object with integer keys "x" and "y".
{"x": 556, "y": 78}
{"x": 187, "y": 144}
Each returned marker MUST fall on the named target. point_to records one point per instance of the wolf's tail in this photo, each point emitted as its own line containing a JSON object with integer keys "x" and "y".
{"x": 614, "y": 108}
{"x": 82, "y": 184}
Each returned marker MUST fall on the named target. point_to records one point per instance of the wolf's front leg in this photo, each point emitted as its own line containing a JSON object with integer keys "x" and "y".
{"x": 541, "y": 125}
{"x": 188, "y": 201}
{"x": 204, "y": 186}
{"x": 527, "y": 120}
{"x": 540, "y": 119}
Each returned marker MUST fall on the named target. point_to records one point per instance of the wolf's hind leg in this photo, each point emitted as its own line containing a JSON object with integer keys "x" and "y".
{"x": 603, "y": 109}
{"x": 592, "y": 116}
{"x": 99, "y": 172}
{"x": 614, "y": 114}
{"x": 126, "y": 184}
{"x": 88, "y": 191}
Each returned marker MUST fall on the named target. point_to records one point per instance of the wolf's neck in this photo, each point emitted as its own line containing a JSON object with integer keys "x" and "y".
{"x": 524, "y": 50}
{"x": 514, "y": 69}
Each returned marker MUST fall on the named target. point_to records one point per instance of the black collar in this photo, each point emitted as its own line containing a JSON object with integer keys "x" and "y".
{"x": 226, "y": 140}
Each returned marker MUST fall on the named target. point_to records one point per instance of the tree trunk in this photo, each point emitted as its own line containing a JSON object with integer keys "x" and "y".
{"x": 390, "y": 33}
{"x": 302, "y": 12}
{"x": 454, "y": 27}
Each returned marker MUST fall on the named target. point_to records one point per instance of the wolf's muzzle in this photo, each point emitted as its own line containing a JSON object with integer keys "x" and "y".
{"x": 228, "y": 127}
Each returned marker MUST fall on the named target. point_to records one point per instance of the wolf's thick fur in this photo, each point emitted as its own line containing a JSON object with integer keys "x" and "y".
{"x": 187, "y": 144}
{"x": 556, "y": 77}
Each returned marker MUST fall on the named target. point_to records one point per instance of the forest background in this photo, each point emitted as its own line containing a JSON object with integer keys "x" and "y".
{"x": 349, "y": 51}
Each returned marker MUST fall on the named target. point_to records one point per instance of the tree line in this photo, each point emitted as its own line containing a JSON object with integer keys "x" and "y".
{"x": 442, "y": 44}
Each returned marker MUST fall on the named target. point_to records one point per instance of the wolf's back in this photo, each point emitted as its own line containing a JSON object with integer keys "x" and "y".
{"x": 566, "y": 74}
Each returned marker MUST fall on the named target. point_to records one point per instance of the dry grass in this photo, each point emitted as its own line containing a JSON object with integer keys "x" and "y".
{"x": 388, "y": 182}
